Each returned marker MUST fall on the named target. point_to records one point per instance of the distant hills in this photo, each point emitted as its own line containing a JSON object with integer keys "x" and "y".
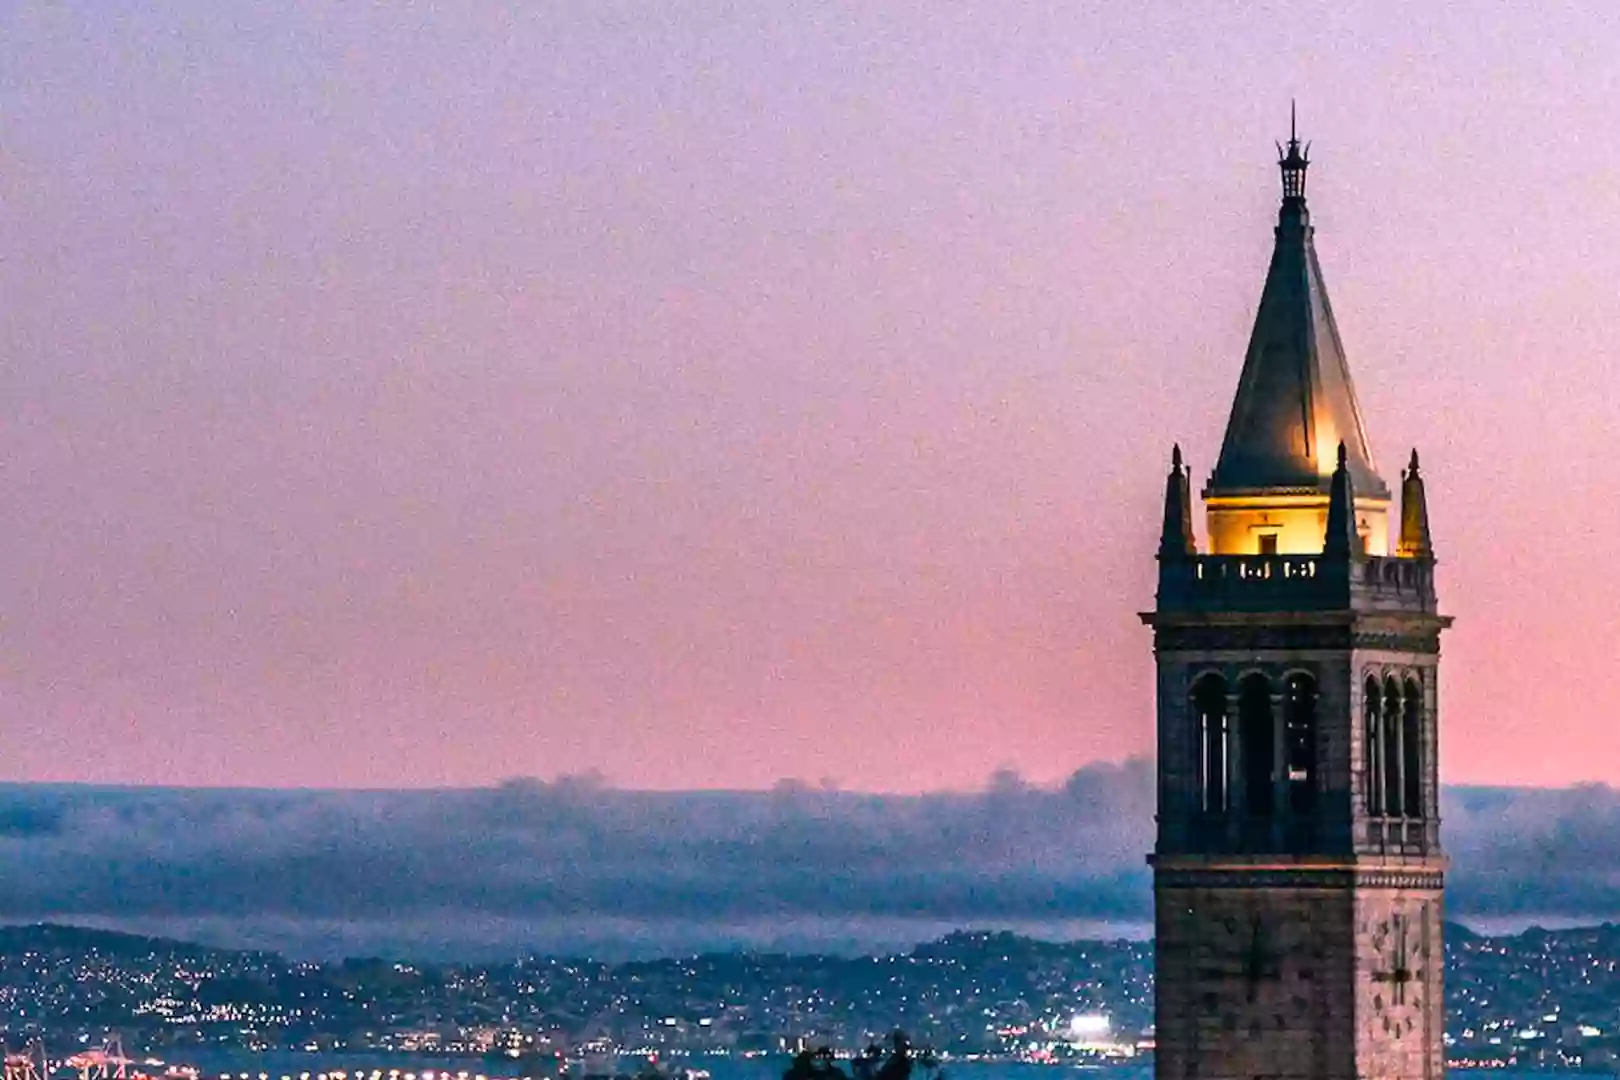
{"x": 57, "y": 938}
{"x": 66, "y": 938}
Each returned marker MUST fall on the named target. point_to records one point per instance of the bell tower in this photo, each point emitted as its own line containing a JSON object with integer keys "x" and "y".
{"x": 1297, "y": 872}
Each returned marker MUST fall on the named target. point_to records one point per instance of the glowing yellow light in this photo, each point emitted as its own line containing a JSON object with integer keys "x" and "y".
{"x": 1327, "y": 449}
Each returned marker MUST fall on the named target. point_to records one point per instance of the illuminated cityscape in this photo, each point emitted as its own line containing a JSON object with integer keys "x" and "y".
{"x": 1543, "y": 999}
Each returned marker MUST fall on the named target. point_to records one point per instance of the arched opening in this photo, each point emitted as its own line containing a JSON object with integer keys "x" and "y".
{"x": 1209, "y": 707}
{"x": 1299, "y": 743}
{"x": 1256, "y": 735}
{"x": 1372, "y": 767}
{"x": 1412, "y": 747}
{"x": 1393, "y": 789}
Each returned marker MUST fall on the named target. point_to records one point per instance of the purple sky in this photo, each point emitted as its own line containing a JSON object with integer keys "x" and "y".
{"x": 706, "y": 393}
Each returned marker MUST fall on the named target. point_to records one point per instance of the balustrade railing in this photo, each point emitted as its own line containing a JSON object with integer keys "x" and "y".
{"x": 1304, "y": 582}
{"x": 1401, "y": 836}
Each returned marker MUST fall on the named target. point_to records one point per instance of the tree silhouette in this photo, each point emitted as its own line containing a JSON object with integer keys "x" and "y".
{"x": 817, "y": 1064}
{"x": 901, "y": 1061}
{"x": 814, "y": 1064}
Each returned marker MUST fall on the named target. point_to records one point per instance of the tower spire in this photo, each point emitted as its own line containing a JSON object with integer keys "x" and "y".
{"x": 1176, "y": 541}
{"x": 1414, "y": 542}
{"x": 1342, "y": 540}
{"x": 1295, "y": 400}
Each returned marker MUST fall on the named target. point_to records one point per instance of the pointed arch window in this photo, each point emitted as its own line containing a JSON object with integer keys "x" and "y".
{"x": 1412, "y": 748}
{"x": 1257, "y": 744}
{"x": 1299, "y": 742}
{"x": 1394, "y": 790}
{"x": 1209, "y": 707}
{"x": 1372, "y": 765}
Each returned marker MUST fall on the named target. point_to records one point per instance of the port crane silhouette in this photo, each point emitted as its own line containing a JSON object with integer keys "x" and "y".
{"x": 106, "y": 1062}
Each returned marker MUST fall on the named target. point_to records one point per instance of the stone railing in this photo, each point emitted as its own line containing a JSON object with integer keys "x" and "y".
{"x": 1397, "y": 576}
{"x": 1295, "y": 582}
{"x": 1400, "y": 836}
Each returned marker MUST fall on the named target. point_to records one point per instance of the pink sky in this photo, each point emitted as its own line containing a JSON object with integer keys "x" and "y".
{"x": 709, "y": 394}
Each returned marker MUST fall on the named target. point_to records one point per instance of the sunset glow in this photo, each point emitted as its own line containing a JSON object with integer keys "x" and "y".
{"x": 707, "y": 397}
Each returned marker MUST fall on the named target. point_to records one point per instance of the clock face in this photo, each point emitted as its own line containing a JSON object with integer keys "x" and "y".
{"x": 1246, "y": 964}
{"x": 1399, "y": 969}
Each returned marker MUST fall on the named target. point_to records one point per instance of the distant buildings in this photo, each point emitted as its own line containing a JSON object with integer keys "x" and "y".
{"x": 1539, "y": 998}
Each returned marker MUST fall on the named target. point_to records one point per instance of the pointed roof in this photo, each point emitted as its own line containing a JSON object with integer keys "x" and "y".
{"x": 1341, "y": 540}
{"x": 1414, "y": 542}
{"x": 1176, "y": 540}
{"x": 1295, "y": 402}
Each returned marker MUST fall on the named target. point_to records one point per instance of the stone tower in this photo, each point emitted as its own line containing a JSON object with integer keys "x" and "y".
{"x": 1297, "y": 872}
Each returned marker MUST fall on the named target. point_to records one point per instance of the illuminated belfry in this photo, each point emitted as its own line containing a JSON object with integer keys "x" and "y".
{"x": 1297, "y": 869}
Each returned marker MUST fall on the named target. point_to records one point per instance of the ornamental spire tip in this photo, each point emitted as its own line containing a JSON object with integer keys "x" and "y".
{"x": 1293, "y": 160}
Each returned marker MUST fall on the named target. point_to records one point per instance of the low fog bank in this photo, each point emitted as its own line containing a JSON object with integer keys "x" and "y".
{"x": 577, "y": 866}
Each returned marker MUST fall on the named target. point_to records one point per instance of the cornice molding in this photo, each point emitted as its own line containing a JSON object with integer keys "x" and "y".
{"x": 1329, "y": 878}
{"x": 1251, "y": 637}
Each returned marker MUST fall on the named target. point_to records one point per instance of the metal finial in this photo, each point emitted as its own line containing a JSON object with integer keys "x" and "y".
{"x": 1292, "y": 160}
{"x": 1175, "y": 457}
{"x": 1412, "y": 469}
{"x": 1343, "y": 457}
